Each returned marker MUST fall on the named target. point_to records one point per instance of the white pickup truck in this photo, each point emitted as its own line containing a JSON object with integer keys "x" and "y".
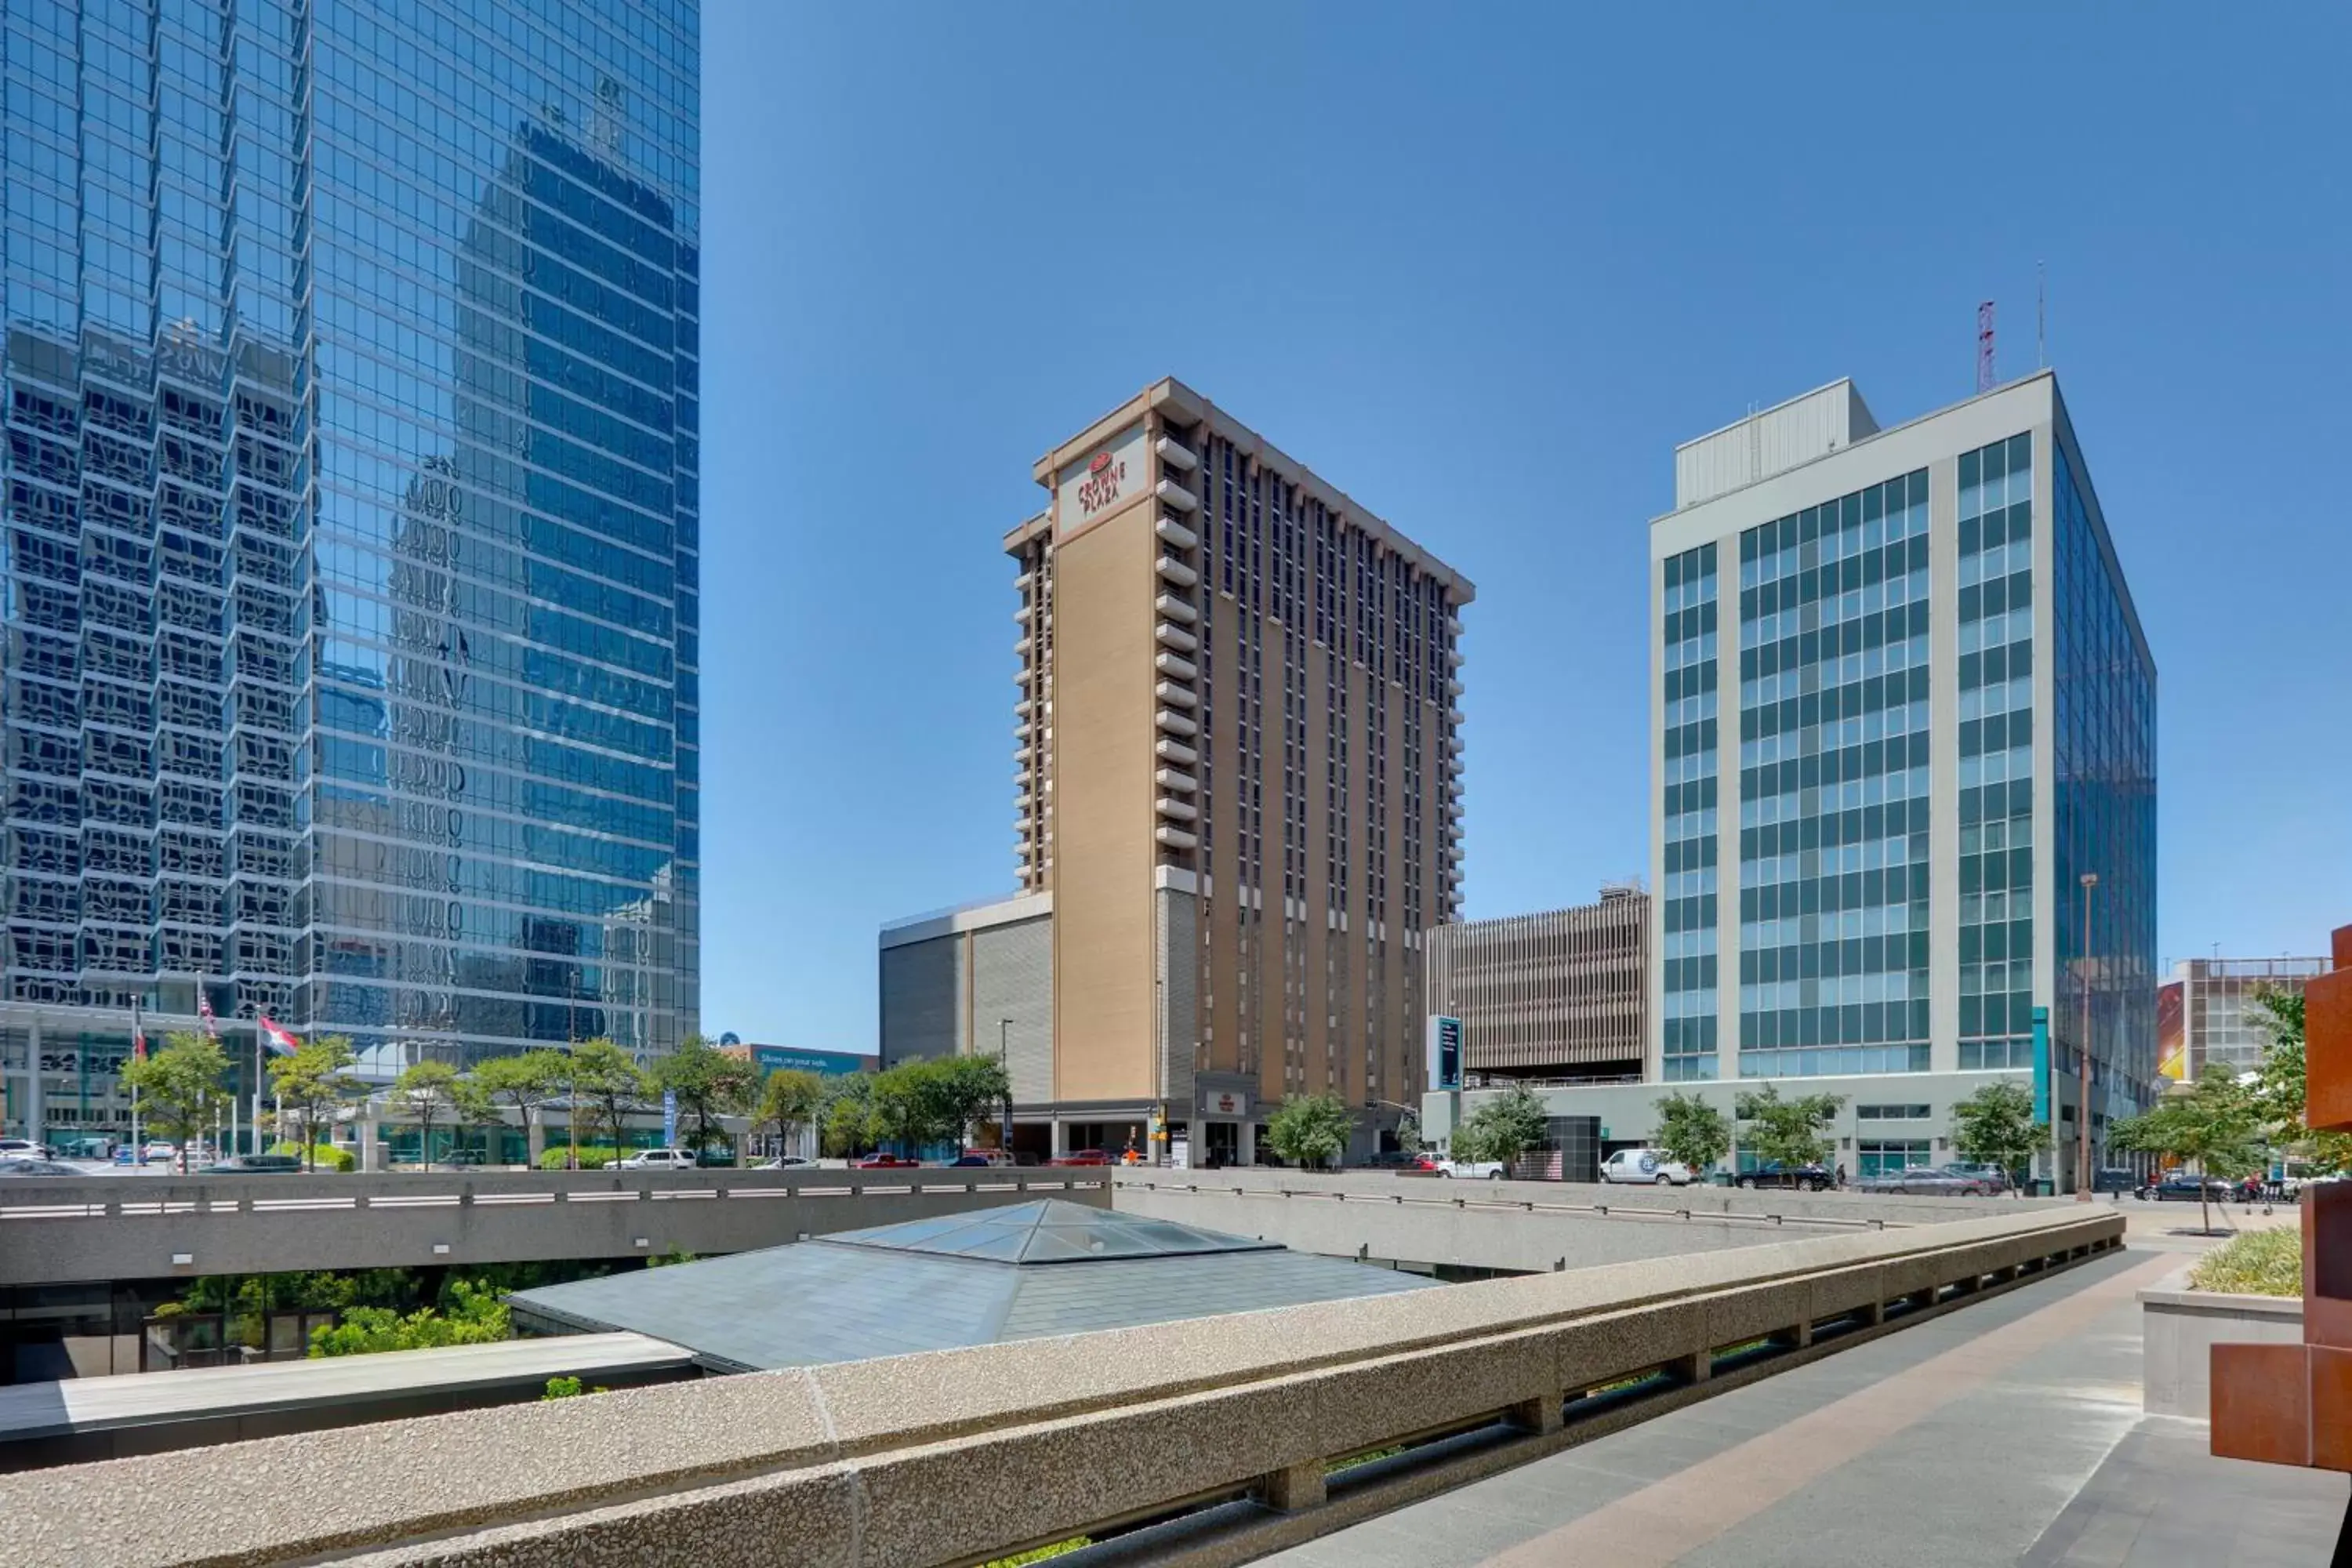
{"x": 1471, "y": 1170}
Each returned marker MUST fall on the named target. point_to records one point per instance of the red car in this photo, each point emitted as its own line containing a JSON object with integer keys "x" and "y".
{"x": 884, "y": 1162}
{"x": 1083, "y": 1157}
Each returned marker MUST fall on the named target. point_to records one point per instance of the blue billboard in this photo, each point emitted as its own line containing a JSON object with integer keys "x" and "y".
{"x": 824, "y": 1064}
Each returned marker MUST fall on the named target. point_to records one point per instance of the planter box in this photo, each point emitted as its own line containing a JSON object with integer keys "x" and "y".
{"x": 2179, "y": 1328}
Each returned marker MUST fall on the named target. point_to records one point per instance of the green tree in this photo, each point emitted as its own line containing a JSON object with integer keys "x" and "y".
{"x": 1693, "y": 1131}
{"x": 1997, "y": 1125}
{"x": 966, "y": 1090}
{"x": 181, "y": 1086}
{"x": 842, "y": 1119}
{"x": 312, "y": 1083}
{"x": 789, "y": 1099}
{"x": 2280, "y": 1087}
{"x": 522, "y": 1084}
{"x": 604, "y": 1077}
{"x": 1503, "y": 1128}
{"x": 473, "y": 1315}
{"x": 905, "y": 1107}
{"x": 2216, "y": 1126}
{"x": 708, "y": 1082}
{"x": 1788, "y": 1130}
{"x": 1311, "y": 1130}
{"x": 431, "y": 1092}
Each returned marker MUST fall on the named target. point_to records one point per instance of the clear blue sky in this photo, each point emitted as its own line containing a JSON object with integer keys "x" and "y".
{"x": 1483, "y": 267}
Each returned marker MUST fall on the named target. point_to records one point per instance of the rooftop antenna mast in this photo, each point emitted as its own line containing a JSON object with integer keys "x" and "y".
{"x": 1984, "y": 347}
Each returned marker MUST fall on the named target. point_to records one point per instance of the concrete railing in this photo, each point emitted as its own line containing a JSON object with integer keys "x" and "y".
{"x": 958, "y": 1455}
{"x": 64, "y": 1230}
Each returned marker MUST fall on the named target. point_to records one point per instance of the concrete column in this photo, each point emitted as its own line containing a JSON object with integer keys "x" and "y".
{"x": 1246, "y": 1143}
{"x": 535, "y": 1142}
{"x": 370, "y": 1150}
{"x": 1796, "y": 1337}
{"x": 1696, "y": 1367}
{"x": 1061, "y": 1137}
{"x": 35, "y": 1112}
{"x": 1294, "y": 1488}
{"x": 1874, "y": 1314}
{"x": 1539, "y": 1415}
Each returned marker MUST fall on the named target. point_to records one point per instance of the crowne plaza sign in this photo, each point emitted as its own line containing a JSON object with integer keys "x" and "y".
{"x": 1113, "y": 473}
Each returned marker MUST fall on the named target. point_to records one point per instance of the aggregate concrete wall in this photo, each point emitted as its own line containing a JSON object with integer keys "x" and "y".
{"x": 2179, "y": 1328}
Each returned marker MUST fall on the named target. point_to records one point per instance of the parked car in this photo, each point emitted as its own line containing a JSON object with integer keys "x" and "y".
{"x": 1390, "y": 1160}
{"x": 1779, "y": 1173}
{"x": 886, "y": 1162}
{"x": 1949, "y": 1181}
{"x": 157, "y": 1149}
{"x": 463, "y": 1157}
{"x": 980, "y": 1158}
{"x": 2180, "y": 1187}
{"x": 1995, "y": 1179}
{"x": 1083, "y": 1157}
{"x": 1646, "y": 1167}
{"x": 659, "y": 1160}
{"x": 2114, "y": 1179}
{"x": 1471, "y": 1170}
{"x": 20, "y": 1165}
{"x": 787, "y": 1162}
{"x": 22, "y": 1149}
{"x": 253, "y": 1165}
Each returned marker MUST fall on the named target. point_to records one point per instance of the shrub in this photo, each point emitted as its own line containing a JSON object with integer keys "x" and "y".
{"x": 1040, "y": 1553}
{"x": 329, "y": 1156}
{"x": 592, "y": 1157}
{"x": 2254, "y": 1263}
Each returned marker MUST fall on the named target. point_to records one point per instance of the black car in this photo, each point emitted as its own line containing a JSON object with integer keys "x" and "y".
{"x": 2186, "y": 1189}
{"x": 1779, "y": 1173}
{"x": 2115, "y": 1179}
{"x": 254, "y": 1165}
{"x": 1390, "y": 1160}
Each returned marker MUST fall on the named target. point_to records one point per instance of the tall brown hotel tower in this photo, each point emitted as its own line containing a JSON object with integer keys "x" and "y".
{"x": 1240, "y": 769}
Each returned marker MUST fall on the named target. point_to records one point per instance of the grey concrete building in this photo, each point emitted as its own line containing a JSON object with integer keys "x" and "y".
{"x": 1562, "y": 994}
{"x": 1903, "y": 721}
{"x": 2206, "y": 1013}
{"x": 975, "y": 979}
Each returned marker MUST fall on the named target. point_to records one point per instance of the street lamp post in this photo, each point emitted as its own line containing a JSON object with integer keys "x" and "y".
{"x": 2083, "y": 1084}
{"x": 1005, "y": 1058}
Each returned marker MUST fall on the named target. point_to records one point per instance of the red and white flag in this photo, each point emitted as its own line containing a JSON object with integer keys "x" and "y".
{"x": 279, "y": 1042}
{"x": 205, "y": 1011}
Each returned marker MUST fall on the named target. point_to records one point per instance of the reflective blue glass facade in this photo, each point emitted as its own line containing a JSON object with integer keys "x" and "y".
{"x": 352, "y": 515}
{"x": 1834, "y": 758}
{"x": 2104, "y": 820}
{"x": 1997, "y": 807}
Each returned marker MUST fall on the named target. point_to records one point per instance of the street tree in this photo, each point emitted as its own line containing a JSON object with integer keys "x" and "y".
{"x": 966, "y": 1090}
{"x": 431, "y": 1092}
{"x": 1504, "y": 1128}
{"x": 1408, "y": 1134}
{"x": 313, "y": 1084}
{"x": 522, "y": 1084}
{"x": 788, "y": 1098}
{"x": 1693, "y": 1131}
{"x": 843, "y": 1117}
{"x": 2216, "y": 1127}
{"x": 1997, "y": 1125}
{"x": 1311, "y": 1130}
{"x": 604, "y": 1077}
{"x": 181, "y": 1086}
{"x": 1791, "y": 1131}
{"x": 2279, "y": 1088}
{"x": 708, "y": 1082}
{"x": 905, "y": 1107}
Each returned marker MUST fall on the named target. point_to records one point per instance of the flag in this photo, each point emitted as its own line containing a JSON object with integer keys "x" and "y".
{"x": 205, "y": 1011}
{"x": 139, "y": 1044}
{"x": 279, "y": 1042}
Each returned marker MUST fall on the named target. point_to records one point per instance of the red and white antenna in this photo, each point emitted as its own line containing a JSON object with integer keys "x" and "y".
{"x": 1984, "y": 347}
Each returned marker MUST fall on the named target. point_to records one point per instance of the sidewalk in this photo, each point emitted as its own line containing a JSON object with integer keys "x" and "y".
{"x": 1973, "y": 1440}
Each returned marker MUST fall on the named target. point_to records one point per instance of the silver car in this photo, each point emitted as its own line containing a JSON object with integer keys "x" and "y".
{"x": 1923, "y": 1181}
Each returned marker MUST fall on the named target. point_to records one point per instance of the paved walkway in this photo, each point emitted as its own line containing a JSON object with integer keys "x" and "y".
{"x": 2008, "y": 1432}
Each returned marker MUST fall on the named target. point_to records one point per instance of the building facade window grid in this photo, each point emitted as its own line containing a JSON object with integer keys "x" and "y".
{"x": 1833, "y": 799}
{"x": 1689, "y": 656}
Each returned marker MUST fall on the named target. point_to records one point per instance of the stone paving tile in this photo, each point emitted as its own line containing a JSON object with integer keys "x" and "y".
{"x": 2047, "y": 1459}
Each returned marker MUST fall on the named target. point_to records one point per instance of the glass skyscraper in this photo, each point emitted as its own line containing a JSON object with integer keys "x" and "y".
{"x": 351, "y": 527}
{"x": 1870, "y": 833}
